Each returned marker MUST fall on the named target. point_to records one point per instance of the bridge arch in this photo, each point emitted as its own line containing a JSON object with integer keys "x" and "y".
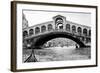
{"x": 43, "y": 28}
{"x": 31, "y": 32}
{"x": 37, "y": 30}
{"x": 73, "y": 29}
{"x": 59, "y": 20}
{"x": 59, "y": 23}
{"x": 85, "y": 31}
{"x": 44, "y": 38}
{"x": 50, "y": 27}
{"x": 25, "y": 33}
{"x": 68, "y": 27}
{"x": 79, "y": 30}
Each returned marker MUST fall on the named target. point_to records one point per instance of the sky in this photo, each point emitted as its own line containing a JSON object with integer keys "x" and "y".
{"x": 36, "y": 17}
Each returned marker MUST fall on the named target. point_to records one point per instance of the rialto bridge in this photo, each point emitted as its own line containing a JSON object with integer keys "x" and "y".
{"x": 35, "y": 36}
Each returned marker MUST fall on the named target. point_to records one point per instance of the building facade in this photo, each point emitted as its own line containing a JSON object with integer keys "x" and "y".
{"x": 24, "y": 22}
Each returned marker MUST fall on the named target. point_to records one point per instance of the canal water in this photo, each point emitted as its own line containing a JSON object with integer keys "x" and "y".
{"x": 58, "y": 54}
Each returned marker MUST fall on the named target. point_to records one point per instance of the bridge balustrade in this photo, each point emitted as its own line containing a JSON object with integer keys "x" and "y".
{"x": 75, "y": 32}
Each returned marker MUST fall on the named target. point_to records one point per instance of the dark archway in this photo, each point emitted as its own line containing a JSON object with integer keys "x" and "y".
{"x": 43, "y": 28}
{"x": 85, "y": 31}
{"x": 44, "y": 38}
{"x": 68, "y": 27}
{"x": 31, "y": 32}
{"x": 37, "y": 30}
{"x": 79, "y": 30}
{"x": 25, "y": 34}
{"x": 59, "y": 20}
{"x": 50, "y": 27}
{"x": 59, "y": 23}
{"x": 73, "y": 29}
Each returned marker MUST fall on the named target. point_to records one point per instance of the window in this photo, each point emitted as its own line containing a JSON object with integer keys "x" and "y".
{"x": 37, "y": 30}
{"x": 25, "y": 34}
{"x": 73, "y": 29}
{"x": 59, "y": 23}
{"x": 79, "y": 30}
{"x": 68, "y": 27}
{"x": 85, "y": 31}
{"x": 43, "y": 28}
{"x": 49, "y": 27}
{"x": 59, "y": 20}
{"x": 31, "y": 32}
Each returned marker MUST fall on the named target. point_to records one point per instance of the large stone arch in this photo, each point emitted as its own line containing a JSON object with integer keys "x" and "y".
{"x": 44, "y": 38}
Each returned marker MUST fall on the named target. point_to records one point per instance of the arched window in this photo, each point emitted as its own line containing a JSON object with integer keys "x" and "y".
{"x": 37, "y": 30}
{"x": 31, "y": 32}
{"x": 25, "y": 34}
{"x": 89, "y": 32}
{"x": 85, "y": 31}
{"x": 73, "y": 29}
{"x": 79, "y": 30}
{"x": 59, "y": 20}
{"x": 59, "y": 23}
{"x": 68, "y": 27}
{"x": 43, "y": 28}
{"x": 49, "y": 27}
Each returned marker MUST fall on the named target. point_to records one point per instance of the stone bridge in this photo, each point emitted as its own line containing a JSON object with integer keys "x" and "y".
{"x": 35, "y": 36}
